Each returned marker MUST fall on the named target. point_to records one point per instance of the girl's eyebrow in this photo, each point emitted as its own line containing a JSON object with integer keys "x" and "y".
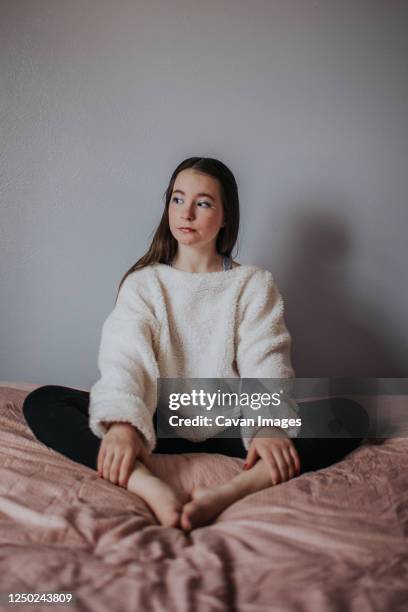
{"x": 207, "y": 195}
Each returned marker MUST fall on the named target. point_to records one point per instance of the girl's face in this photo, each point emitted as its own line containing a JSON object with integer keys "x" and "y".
{"x": 196, "y": 204}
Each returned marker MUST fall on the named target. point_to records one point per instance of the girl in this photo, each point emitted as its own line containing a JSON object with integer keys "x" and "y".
{"x": 183, "y": 310}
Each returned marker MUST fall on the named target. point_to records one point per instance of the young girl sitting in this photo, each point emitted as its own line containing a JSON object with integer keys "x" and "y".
{"x": 185, "y": 310}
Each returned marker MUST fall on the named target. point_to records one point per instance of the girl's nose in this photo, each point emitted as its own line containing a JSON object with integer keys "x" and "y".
{"x": 187, "y": 211}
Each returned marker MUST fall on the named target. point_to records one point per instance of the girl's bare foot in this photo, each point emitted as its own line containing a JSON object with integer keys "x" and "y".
{"x": 207, "y": 503}
{"x": 164, "y": 501}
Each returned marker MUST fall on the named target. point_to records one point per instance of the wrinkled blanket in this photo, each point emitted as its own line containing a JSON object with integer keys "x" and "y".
{"x": 335, "y": 539}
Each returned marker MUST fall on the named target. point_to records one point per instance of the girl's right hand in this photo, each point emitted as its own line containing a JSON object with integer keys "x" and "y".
{"x": 120, "y": 447}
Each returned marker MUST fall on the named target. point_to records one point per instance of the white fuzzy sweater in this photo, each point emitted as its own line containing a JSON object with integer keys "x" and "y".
{"x": 168, "y": 323}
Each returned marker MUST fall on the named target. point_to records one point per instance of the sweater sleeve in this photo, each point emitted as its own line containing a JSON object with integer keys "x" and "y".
{"x": 263, "y": 349}
{"x": 127, "y": 388}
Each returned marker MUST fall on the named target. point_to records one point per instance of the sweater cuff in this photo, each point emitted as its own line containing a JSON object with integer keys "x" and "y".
{"x": 130, "y": 411}
{"x": 288, "y": 410}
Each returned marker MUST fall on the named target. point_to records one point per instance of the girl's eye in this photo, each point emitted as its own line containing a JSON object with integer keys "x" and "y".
{"x": 207, "y": 204}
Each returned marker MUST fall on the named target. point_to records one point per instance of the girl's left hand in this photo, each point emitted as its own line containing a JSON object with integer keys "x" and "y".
{"x": 278, "y": 452}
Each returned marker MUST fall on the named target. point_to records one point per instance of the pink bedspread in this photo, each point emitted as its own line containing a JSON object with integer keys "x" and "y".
{"x": 331, "y": 540}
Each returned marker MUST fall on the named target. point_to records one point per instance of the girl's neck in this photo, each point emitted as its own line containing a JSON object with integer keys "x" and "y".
{"x": 197, "y": 262}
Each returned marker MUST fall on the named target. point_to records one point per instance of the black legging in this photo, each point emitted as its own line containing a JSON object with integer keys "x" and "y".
{"x": 58, "y": 417}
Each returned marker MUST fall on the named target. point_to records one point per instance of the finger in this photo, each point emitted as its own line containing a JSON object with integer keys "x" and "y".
{"x": 290, "y": 464}
{"x": 281, "y": 462}
{"x": 252, "y": 457}
{"x": 270, "y": 462}
{"x": 115, "y": 467}
{"x": 295, "y": 455}
{"x": 126, "y": 468}
{"x": 101, "y": 457}
{"x": 107, "y": 463}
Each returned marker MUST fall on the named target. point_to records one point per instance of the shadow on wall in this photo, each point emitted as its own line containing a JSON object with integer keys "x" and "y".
{"x": 336, "y": 330}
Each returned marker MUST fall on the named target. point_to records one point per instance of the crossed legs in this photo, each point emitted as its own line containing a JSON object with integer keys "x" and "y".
{"x": 58, "y": 416}
{"x": 206, "y": 503}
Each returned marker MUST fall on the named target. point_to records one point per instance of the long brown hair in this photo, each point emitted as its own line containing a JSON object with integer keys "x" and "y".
{"x": 164, "y": 246}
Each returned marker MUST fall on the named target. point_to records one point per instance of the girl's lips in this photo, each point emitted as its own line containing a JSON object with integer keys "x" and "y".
{"x": 186, "y": 229}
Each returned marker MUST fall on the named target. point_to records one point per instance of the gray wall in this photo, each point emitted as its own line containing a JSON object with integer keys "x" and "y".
{"x": 304, "y": 100}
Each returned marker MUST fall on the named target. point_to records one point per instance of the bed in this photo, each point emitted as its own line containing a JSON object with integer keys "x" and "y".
{"x": 332, "y": 540}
